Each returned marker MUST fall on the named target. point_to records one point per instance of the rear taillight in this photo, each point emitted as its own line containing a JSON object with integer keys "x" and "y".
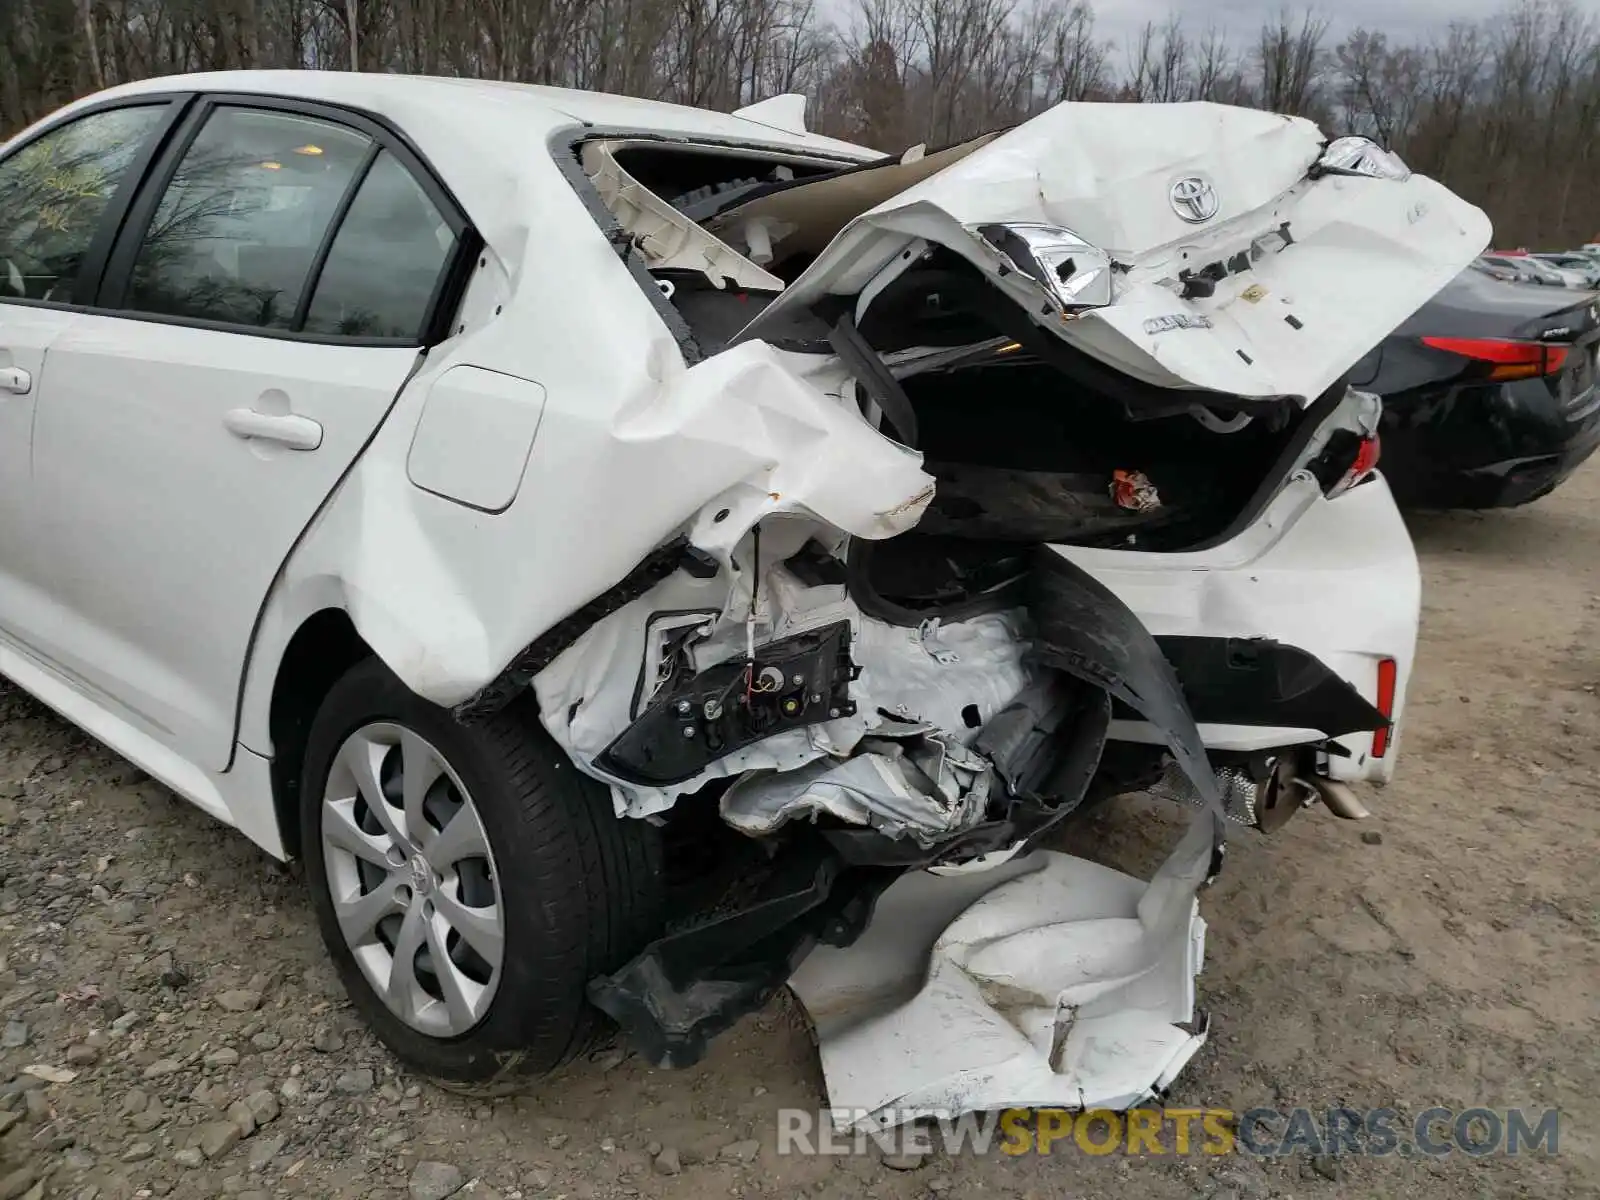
{"x": 1364, "y": 463}
{"x": 1504, "y": 359}
{"x": 1388, "y": 676}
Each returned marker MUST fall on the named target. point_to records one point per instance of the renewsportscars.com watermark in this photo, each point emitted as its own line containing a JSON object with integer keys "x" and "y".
{"x": 1263, "y": 1132}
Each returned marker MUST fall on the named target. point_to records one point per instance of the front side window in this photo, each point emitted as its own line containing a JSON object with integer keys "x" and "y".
{"x": 54, "y": 193}
{"x": 238, "y": 228}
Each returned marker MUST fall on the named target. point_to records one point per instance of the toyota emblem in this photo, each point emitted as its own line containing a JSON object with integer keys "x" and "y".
{"x": 1194, "y": 199}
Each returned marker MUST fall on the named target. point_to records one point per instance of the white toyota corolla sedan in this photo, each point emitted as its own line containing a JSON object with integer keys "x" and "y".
{"x": 615, "y": 545}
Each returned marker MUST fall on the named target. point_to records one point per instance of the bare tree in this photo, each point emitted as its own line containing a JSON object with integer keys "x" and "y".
{"x": 1506, "y": 111}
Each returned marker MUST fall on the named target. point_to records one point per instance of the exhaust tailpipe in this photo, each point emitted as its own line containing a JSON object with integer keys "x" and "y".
{"x": 1339, "y": 798}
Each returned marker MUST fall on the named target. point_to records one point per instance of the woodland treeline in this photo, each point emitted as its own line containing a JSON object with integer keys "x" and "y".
{"x": 1506, "y": 110}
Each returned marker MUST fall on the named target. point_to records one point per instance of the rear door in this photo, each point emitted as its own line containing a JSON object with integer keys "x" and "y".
{"x": 273, "y": 288}
{"x": 61, "y": 192}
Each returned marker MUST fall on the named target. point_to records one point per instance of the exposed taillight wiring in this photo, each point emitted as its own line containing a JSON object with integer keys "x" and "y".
{"x": 750, "y": 617}
{"x": 1504, "y": 359}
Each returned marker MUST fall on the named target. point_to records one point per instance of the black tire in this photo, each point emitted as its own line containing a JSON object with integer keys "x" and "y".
{"x": 581, "y": 888}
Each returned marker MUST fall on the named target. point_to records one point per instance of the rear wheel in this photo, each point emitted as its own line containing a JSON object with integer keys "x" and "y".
{"x": 468, "y": 881}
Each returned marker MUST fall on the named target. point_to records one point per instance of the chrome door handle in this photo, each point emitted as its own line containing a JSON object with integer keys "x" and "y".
{"x": 295, "y": 432}
{"x": 15, "y": 379}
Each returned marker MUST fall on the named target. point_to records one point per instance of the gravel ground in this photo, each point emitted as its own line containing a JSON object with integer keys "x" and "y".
{"x": 168, "y": 1025}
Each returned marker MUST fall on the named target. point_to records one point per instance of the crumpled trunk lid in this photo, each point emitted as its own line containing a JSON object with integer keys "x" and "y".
{"x": 1277, "y": 292}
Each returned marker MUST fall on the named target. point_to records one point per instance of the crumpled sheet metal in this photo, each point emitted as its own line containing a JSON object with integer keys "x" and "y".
{"x": 587, "y": 696}
{"x": 1034, "y": 984}
{"x": 745, "y": 436}
{"x": 1050, "y": 981}
{"x": 912, "y": 781}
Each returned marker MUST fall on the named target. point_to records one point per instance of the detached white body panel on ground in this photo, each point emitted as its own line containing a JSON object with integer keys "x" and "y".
{"x": 1047, "y": 982}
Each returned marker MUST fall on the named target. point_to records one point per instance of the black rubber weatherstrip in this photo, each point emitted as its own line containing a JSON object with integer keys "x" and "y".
{"x": 542, "y": 651}
{"x": 871, "y": 372}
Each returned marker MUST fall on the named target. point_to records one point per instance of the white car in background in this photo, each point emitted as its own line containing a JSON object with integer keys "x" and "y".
{"x": 1576, "y": 270}
{"x": 528, "y": 505}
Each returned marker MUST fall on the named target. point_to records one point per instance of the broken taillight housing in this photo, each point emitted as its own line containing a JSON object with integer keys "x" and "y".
{"x": 1076, "y": 274}
{"x": 1504, "y": 359}
{"x": 1388, "y": 678}
{"x": 1361, "y": 467}
{"x": 1357, "y": 155}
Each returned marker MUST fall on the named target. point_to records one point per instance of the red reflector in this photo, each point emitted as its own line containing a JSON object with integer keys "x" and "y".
{"x": 1365, "y": 462}
{"x": 1388, "y": 674}
{"x": 1366, "y": 458}
{"x": 1507, "y": 359}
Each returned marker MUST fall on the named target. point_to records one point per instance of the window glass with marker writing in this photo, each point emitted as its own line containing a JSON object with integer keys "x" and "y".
{"x": 54, "y": 192}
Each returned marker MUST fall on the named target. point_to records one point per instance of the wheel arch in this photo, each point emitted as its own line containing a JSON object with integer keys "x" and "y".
{"x": 319, "y": 653}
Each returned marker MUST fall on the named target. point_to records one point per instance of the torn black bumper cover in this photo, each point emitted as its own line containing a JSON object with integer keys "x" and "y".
{"x": 690, "y": 985}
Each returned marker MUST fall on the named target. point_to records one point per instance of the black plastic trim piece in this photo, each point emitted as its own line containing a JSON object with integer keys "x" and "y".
{"x": 1258, "y": 681}
{"x": 696, "y": 721}
{"x": 302, "y": 306}
{"x": 687, "y": 987}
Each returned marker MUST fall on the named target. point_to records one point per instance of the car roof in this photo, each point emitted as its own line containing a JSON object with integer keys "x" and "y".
{"x": 487, "y": 139}
{"x": 418, "y": 102}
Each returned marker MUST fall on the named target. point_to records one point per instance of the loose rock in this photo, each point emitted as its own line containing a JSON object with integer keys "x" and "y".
{"x": 435, "y": 1181}
{"x": 78, "y": 1160}
{"x": 355, "y": 1083}
{"x": 216, "y": 1138}
{"x": 148, "y": 1120}
{"x": 138, "y": 1152}
{"x": 15, "y": 1035}
{"x": 227, "y": 1056}
{"x": 266, "y": 1040}
{"x": 263, "y": 1106}
{"x": 244, "y": 1120}
{"x": 189, "y": 1156}
{"x": 239, "y": 1000}
{"x": 667, "y": 1162}
{"x": 264, "y": 1150}
{"x": 82, "y": 1056}
{"x": 745, "y": 1151}
{"x": 909, "y": 1160}
{"x": 38, "y": 1105}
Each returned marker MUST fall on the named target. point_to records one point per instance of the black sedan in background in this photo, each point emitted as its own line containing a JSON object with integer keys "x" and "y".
{"x": 1490, "y": 396}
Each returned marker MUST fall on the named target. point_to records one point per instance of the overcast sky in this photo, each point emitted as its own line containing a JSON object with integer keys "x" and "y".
{"x": 1401, "y": 19}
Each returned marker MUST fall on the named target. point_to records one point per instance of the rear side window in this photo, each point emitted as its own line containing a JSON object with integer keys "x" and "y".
{"x": 54, "y": 193}
{"x": 238, "y": 229}
{"x": 386, "y": 260}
